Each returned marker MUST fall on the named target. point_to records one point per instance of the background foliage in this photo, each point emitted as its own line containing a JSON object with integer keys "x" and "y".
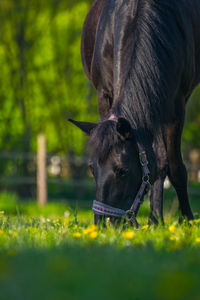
{"x": 42, "y": 79}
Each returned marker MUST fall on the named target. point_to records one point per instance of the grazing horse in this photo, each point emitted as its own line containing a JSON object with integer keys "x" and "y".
{"x": 143, "y": 58}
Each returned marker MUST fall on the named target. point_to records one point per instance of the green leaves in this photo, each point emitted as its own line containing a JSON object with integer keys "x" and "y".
{"x": 191, "y": 133}
{"x": 42, "y": 78}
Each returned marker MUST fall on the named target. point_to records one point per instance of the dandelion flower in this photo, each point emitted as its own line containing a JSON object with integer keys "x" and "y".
{"x": 93, "y": 234}
{"x": 172, "y": 228}
{"x": 1, "y": 231}
{"x": 145, "y": 226}
{"x": 77, "y": 234}
{"x": 197, "y": 240}
{"x": 172, "y": 238}
{"x": 89, "y": 229}
{"x": 128, "y": 235}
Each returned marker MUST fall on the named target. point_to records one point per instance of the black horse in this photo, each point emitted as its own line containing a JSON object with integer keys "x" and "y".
{"x": 143, "y": 57}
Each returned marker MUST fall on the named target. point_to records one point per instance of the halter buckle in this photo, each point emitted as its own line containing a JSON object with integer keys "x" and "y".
{"x": 130, "y": 217}
{"x": 129, "y": 214}
{"x": 146, "y": 178}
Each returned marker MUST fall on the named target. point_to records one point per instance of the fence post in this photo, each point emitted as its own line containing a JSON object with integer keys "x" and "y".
{"x": 41, "y": 170}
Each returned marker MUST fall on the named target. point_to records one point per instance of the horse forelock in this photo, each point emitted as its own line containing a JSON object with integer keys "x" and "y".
{"x": 103, "y": 139}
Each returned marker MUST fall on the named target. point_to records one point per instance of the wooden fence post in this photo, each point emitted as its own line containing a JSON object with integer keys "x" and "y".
{"x": 41, "y": 170}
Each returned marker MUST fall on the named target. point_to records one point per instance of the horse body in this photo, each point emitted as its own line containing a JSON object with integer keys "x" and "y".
{"x": 143, "y": 57}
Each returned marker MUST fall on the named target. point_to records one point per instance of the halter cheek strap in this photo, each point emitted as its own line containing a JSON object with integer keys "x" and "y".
{"x": 100, "y": 208}
{"x": 144, "y": 188}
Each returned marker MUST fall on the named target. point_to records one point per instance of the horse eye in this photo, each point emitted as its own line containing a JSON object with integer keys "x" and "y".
{"x": 121, "y": 172}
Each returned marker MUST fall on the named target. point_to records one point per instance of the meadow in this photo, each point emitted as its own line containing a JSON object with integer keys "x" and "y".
{"x": 56, "y": 252}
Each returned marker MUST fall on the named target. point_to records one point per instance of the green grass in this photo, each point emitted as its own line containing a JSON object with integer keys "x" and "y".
{"x": 56, "y": 253}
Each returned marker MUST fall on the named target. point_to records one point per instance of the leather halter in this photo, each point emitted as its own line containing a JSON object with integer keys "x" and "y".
{"x": 100, "y": 208}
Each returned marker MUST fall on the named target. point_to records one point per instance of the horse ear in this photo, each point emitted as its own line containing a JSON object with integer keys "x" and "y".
{"x": 86, "y": 127}
{"x": 124, "y": 129}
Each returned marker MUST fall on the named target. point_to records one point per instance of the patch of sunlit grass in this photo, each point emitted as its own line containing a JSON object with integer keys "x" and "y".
{"x": 19, "y": 232}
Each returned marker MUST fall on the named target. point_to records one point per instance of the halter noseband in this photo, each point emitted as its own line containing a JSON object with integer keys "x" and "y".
{"x": 100, "y": 208}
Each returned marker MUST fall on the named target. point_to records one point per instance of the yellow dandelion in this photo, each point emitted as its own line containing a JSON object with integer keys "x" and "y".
{"x": 93, "y": 234}
{"x": 89, "y": 229}
{"x": 145, "y": 226}
{"x": 172, "y": 228}
{"x": 77, "y": 234}
{"x": 1, "y": 232}
{"x": 172, "y": 238}
{"x": 197, "y": 240}
{"x": 128, "y": 235}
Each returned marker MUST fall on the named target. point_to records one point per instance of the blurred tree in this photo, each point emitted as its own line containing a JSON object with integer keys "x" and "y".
{"x": 191, "y": 133}
{"x": 42, "y": 79}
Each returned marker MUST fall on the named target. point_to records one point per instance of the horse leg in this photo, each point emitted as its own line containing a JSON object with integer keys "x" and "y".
{"x": 156, "y": 202}
{"x": 156, "y": 197}
{"x": 177, "y": 171}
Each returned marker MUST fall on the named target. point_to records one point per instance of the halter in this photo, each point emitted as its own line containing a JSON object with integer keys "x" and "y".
{"x": 100, "y": 208}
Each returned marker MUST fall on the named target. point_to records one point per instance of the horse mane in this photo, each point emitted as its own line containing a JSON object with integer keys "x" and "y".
{"x": 153, "y": 70}
{"x": 103, "y": 139}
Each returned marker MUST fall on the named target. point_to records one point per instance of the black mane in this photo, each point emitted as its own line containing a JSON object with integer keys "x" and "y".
{"x": 148, "y": 83}
{"x": 157, "y": 54}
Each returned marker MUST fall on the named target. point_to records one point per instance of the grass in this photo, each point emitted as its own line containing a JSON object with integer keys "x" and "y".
{"x": 22, "y": 232}
{"x": 56, "y": 253}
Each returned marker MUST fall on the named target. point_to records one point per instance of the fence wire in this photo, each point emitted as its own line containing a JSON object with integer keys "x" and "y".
{"x": 19, "y": 170}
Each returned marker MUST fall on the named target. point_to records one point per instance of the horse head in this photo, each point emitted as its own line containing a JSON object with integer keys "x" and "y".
{"x": 114, "y": 163}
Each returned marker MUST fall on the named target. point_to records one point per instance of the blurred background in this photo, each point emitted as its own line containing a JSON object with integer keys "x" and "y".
{"x": 42, "y": 85}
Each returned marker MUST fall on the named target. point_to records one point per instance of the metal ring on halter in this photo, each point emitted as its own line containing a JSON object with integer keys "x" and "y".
{"x": 146, "y": 179}
{"x": 131, "y": 218}
{"x": 129, "y": 214}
